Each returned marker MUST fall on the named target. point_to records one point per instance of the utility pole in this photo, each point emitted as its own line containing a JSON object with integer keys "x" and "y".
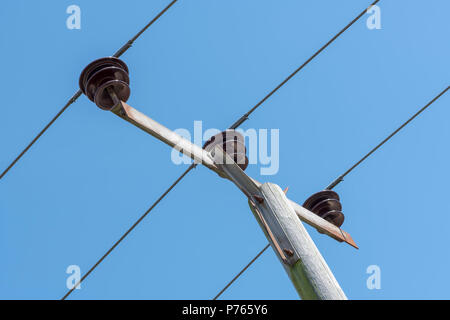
{"x": 307, "y": 269}
{"x": 303, "y": 262}
{"x": 105, "y": 81}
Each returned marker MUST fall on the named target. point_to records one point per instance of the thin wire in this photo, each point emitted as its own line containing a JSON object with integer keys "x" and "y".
{"x": 340, "y": 178}
{"x": 71, "y": 100}
{"x": 241, "y": 272}
{"x": 129, "y": 230}
{"x": 75, "y": 97}
{"x": 246, "y": 115}
{"x": 244, "y": 118}
{"x": 132, "y": 40}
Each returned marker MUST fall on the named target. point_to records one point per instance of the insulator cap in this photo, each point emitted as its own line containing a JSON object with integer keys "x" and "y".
{"x": 233, "y": 143}
{"x": 101, "y": 74}
{"x": 327, "y": 206}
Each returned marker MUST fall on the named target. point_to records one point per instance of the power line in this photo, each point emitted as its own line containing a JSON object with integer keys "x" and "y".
{"x": 71, "y": 100}
{"x": 75, "y": 97}
{"x": 130, "y": 229}
{"x": 130, "y": 42}
{"x": 246, "y": 115}
{"x": 241, "y": 272}
{"x": 339, "y": 179}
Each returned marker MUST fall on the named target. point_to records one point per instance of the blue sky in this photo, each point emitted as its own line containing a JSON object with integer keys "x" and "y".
{"x": 92, "y": 174}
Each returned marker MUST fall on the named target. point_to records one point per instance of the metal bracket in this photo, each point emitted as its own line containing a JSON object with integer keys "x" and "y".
{"x": 273, "y": 229}
{"x": 279, "y": 241}
{"x": 118, "y": 106}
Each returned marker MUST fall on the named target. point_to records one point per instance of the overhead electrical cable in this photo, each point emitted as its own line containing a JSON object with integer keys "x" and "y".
{"x": 341, "y": 177}
{"x": 128, "y": 231}
{"x": 75, "y": 97}
{"x": 246, "y": 115}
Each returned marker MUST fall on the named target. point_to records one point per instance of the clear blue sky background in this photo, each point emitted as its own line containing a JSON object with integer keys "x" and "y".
{"x": 92, "y": 174}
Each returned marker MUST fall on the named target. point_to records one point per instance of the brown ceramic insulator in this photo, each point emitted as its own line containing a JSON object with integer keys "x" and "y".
{"x": 233, "y": 143}
{"x": 326, "y": 205}
{"x": 104, "y": 73}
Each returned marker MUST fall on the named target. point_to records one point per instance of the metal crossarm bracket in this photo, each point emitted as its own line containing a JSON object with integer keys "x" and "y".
{"x": 251, "y": 187}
